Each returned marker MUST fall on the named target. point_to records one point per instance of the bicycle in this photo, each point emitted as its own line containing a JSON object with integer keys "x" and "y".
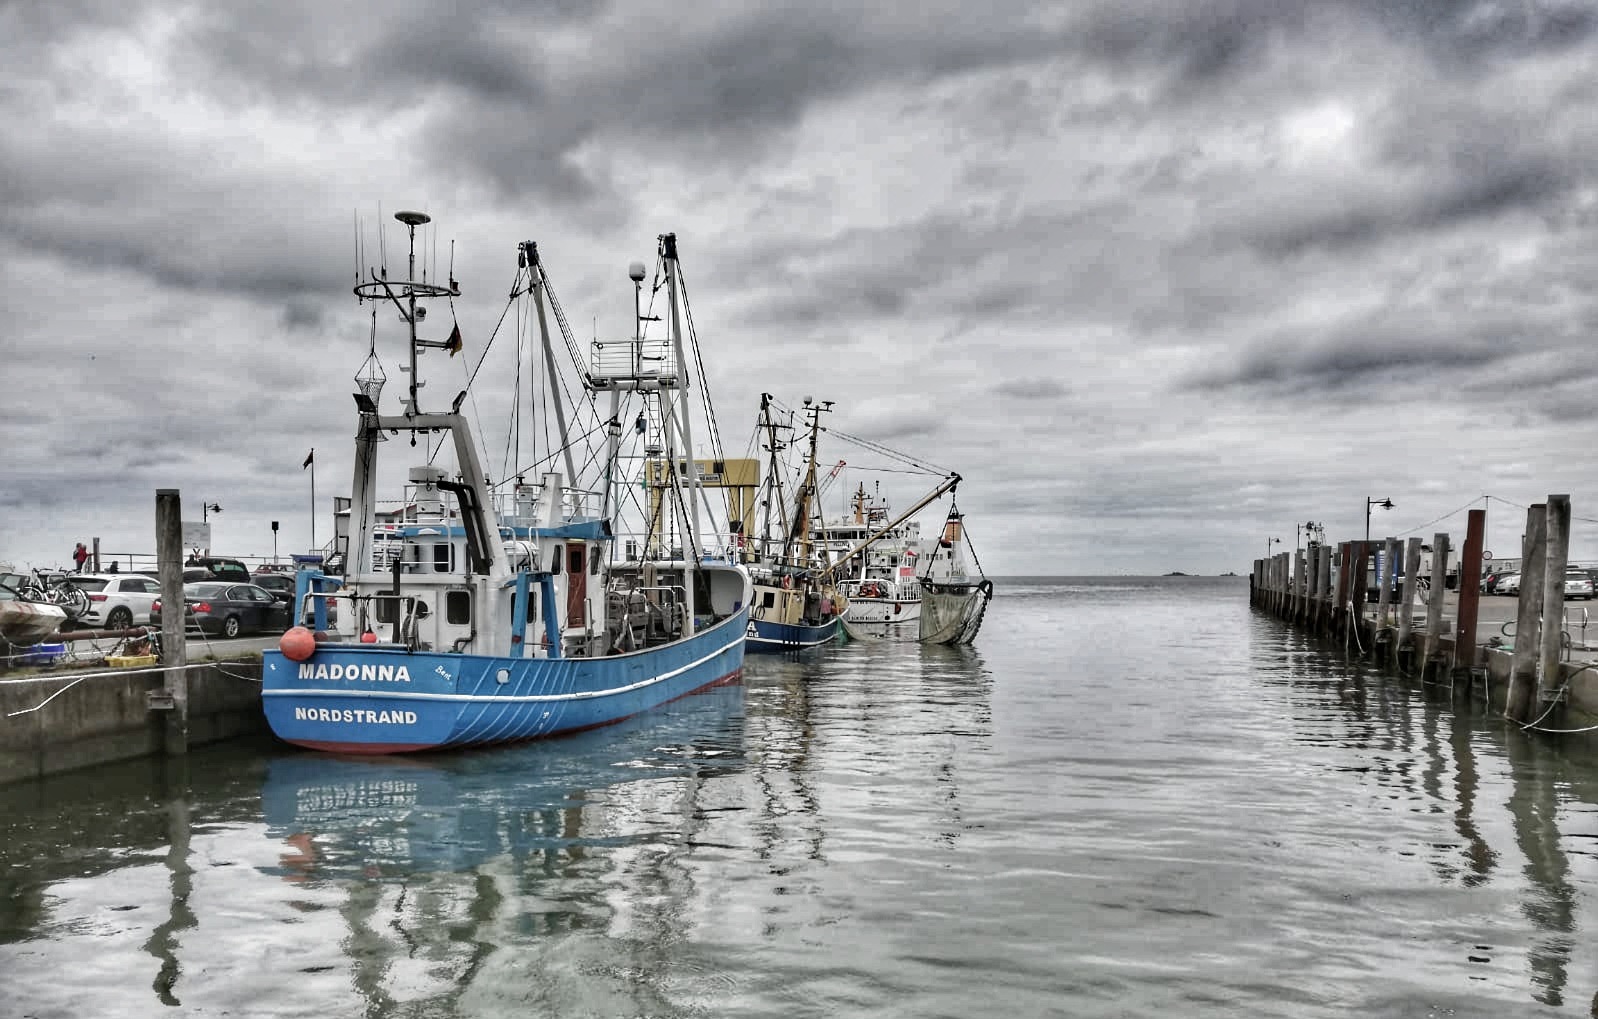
{"x": 57, "y": 590}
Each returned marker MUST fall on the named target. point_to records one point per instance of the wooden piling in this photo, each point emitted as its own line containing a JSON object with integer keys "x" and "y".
{"x": 1528, "y": 615}
{"x": 1325, "y": 607}
{"x": 1345, "y": 557}
{"x": 1384, "y": 599}
{"x": 1359, "y": 586}
{"x": 1299, "y": 577}
{"x": 1434, "y": 604}
{"x": 1555, "y": 560}
{"x": 169, "y": 558}
{"x": 1312, "y": 585}
{"x": 94, "y": 554}
{"x": 1406, "y": 608}
{"x": 1469, "y": 590}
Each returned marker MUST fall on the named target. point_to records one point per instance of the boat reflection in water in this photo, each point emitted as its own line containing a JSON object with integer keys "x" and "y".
{"x": 363, "y": 818}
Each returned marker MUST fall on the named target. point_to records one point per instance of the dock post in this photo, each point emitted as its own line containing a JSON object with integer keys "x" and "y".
{"x": 1469, "y": 591}
{"x": 1345, "y": 558}
{"x": 1528, "y": 615}
{"x": 1406, "y": 607}
{"x": 1359, "y": 589}
{"x": 1299, "y": 576}
{"x": 174, "y": 617}
{"x": 1549, "y": 687}
{"x": 1312, "y": 583}
{"x": 94, "y": 555}
{"x": 1384, "y": 603}
{"x": 1281, "y": 584}
{"x": 1434, "y": 603}
{"x": 1325, "y": 608}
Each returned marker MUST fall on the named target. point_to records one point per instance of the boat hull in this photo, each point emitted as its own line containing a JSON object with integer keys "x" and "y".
{"x": 346, "y": 698}
{"x": 882, "y": 610}
{"x": 767, "y": 636}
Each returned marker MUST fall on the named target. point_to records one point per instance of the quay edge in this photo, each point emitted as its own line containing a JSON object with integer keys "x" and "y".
{"x": 110, "y": 717}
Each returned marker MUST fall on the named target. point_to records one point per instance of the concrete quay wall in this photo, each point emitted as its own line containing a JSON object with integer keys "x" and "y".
{"x": 55, "y": 722}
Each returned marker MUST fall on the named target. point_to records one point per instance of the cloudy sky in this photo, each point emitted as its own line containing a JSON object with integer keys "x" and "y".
{"x": 1160, "y": 278}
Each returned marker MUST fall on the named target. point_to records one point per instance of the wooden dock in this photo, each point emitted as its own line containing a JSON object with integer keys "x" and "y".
{"x": 1494, "y": 649}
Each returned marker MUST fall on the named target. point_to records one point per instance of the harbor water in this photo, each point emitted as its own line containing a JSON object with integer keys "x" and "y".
{"x": 1132, "y": 797}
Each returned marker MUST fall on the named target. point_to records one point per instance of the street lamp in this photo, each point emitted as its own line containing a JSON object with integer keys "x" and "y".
{"x": 206, "y": 509}
{"x": 1369, "y": 502}
{"x": 1268, "y": 543}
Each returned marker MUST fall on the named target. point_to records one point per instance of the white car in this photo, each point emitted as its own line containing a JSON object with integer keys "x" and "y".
{"x": 116, "y": 600}
{"x": 1578, "y": 584}
{"x": 1508, "y": 585}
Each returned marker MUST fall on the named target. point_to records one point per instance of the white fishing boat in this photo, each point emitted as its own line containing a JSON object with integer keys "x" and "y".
{"x": 954, "y": 591}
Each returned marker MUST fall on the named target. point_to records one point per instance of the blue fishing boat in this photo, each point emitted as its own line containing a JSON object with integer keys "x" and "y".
{"x": 481, "y": 612}
{"x": 795, "y": 606}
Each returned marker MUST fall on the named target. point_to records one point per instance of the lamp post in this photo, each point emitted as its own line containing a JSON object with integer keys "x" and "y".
{"x": 1369, "y": 502}
{"x": 1268, "y": 543}
{"x": 206, "y": 509}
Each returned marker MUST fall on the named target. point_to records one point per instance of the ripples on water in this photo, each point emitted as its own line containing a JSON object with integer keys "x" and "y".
{"x": 1133, "y": 797}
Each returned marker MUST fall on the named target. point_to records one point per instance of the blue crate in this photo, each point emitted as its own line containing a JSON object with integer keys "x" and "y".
{"x": 42, "y": 654}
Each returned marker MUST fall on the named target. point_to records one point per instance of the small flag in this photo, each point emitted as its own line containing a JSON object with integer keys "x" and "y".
{"x": 310, "y": 458}
{"x": 453, "y": 344}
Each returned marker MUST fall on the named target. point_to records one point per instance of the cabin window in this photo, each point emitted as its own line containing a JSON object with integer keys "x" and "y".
{"x": 458, "y": 607}
{"x": 768, "y": 599}
{"x": 532, "y": 606}
{"x": 576, "y": 564}
{"x": 555, "y": 560}
{"x": 593, "y": 565}
{"x": 443, "y": 557}
{"x": 385, "y": 609}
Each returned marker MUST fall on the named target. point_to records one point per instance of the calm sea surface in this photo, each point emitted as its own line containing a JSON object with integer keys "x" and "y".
{"x": 1133, "y": 797}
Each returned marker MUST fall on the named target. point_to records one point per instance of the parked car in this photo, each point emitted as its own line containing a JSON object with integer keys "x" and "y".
{"x": 1578, "y": 584}
{"x": 1507, "y": 585}
{"x": 116, "y": 600}
{"x": 1489, "y": 582}
{"x": 221, "y": 568}
{"x": 232, "y": 609}
{"x": 280, "y": 584}
{"x": 282, "y": 587}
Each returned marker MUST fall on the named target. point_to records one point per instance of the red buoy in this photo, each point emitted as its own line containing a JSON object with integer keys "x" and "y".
{"x": 368, "y": 637}
{"x": 297, "y": 644}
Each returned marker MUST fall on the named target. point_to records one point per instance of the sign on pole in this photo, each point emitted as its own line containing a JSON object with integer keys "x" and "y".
{"x": 197, "y": 535}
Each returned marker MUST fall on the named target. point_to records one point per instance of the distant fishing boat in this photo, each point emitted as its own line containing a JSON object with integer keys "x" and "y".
{"x": 795, "y": 605}
{"x": 875, "y": 558}
{"x": 500, "y": 612}
{"x": 954, "y": 591}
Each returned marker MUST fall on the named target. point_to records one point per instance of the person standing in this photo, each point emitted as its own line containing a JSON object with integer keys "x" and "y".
{"x": 80, "y": 555}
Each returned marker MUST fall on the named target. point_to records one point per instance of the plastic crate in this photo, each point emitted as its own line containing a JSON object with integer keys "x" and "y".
{"x": 42, "y": 654}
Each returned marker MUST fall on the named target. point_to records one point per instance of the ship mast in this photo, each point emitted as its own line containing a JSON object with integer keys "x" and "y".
{"x": 781, "y": 497}
{"x": 807, "y": 489}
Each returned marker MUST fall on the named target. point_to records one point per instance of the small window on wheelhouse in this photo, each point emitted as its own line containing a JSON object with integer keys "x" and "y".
{"x": 575, "y": 563}
{"x": 458, "y": 607}
{"x": 532, "y": 607}
{"x": 768, "y": 599}
{"x": 593, "y": 565}
{"x": 555, "y": 560}
{"x": 385, "y": 609}
{"x": 443, "y": 557}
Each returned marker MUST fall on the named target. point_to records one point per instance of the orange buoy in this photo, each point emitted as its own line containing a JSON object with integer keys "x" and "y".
{"x": 297, "y": 644}
{"x": 368, "y": 637}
